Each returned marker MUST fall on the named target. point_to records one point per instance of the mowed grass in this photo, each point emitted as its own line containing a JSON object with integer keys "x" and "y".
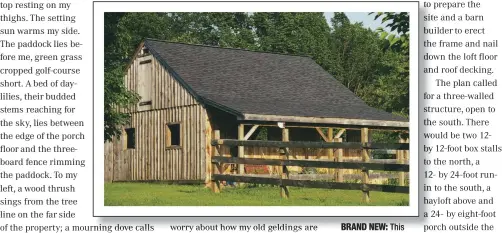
{"x": 151, "y": 194}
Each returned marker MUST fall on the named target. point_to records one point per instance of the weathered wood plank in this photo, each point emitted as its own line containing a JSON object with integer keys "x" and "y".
{"x": 312, "y": 184}
{"x": 324, "y": 137}
{"x": 313, "y": 163}
{"x": 400, "y": 159}
{"x": 209, "y": 150}
{"x": 284, "y": 168}
{"x": 330, "y": 150}
{"x": 365, "y": 158}
{"x": 250, "y": 132}
{"x": 339, "y": 159}
{"x": 240, "y": 153}
{"x": 340, "y": 133}
{"x": 326, "y": 120}
{"x": 305, "y": 144}
{"x": 217, "y": 168}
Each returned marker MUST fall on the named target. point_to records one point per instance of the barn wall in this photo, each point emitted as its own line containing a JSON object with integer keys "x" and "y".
{"x": 170, "y": 102}
{"x": 151, "y": 160}
{"x": 165, "y": 92}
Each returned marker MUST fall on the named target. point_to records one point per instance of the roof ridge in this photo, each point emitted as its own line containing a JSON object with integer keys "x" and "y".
{"x": 229, "y": 48}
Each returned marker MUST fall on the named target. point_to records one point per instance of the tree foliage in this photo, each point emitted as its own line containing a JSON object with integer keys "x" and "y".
{"x": 356, "y": 54}
{"x": 216, "y": 29}
{"x": 294, "y": 33}
{"x": 399, "y": 23}
{"x": 397, "y": 41}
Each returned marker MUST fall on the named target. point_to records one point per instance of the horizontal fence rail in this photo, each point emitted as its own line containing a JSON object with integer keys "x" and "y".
{"x": 312, "y": 184}
{"x": 307, "y": 163}
{"x": 299, "y": 144}
{"x": 336, "y": 161}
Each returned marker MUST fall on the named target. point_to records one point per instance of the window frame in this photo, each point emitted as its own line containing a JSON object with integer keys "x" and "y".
{"x": 169, "y": 136}
{"x": 127, "y": 138}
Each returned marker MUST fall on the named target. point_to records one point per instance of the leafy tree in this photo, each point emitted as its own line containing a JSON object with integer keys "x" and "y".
{"x": 399, "y": 24}
{"x": 390, "y": 90}
{"x": 399, "y": 44}
{"x": 216, "y": 29}
{"x": 116, "y": 96}
{"x": 339, "y": 19}
{"x": 134, "y": 27}
{"x": 125, "y": 33}
{"x": 233, "y": 30}
{"x": 379, "y": 76}
{"x": 294, "y": 33}
{"x": 110, "y": 31}
{"x": 356, "y": 53}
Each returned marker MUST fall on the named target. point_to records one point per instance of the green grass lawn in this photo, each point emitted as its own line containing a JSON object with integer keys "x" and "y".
{"x": 150, "y": 194}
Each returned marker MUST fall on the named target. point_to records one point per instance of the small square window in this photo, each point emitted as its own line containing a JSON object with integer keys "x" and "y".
{"x": 173, "y": 135}
{"x": 131, "y": 138}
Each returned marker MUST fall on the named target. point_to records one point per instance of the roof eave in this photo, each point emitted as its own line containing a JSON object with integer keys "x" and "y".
{"x": 326, "y": 120}
{"x": 221, "y": 107}
{"x": 173, "y": 73}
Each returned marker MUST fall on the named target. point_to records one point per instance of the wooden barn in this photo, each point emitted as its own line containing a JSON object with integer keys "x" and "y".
{"x": 189, "y": 91}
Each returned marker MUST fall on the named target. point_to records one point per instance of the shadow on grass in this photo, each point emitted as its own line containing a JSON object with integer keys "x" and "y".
{"x": 186, "y": 191}
{"x": 138, "y": 194}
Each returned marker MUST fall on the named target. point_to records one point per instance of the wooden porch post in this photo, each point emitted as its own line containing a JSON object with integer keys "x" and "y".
{"x": 209, "y": 134}
{"x": 400, "y": 160}
{"x": 339, "y": 158}
{"x": 339, "y": 155}
{"x": 331, "y": 156}
{"x": 217, "y": 167}
{"x": 285, "y": 172}
{"x": 407, "y": 152}
{"x": 365, "y": 158}
{"x": 240, "y": 152}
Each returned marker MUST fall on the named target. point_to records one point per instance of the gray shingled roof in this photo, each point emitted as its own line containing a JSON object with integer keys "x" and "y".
{"x": 250, "y": 82}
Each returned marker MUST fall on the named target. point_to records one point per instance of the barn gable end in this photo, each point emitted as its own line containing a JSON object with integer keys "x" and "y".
{"x": 147, "y": 75}
{"x": 166, "y": 110}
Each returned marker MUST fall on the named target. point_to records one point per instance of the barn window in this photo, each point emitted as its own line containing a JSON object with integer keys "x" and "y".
{"x": 145, "y": 103}
{"x": 173, "y": 135}
{"x": 145, "y": 62}
{"x": 146, "y": 51}
{"x": 131, "y": 138}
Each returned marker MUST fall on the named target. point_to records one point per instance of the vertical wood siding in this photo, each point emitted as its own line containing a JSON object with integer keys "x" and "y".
{"x": 166, "y": 92}
{"x": 151, "y": 159}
